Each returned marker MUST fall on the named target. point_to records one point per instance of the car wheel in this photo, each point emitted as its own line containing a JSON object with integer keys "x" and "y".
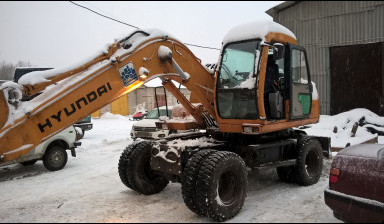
{"x": 221, "y": 185}
{"x": 29, "y": 163}
{"x": 135, "y": 170}
{"x": 55, "y": 158}
{"x": 309, "y": 161}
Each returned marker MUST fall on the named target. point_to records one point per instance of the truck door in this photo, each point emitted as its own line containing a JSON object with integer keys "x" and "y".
{"x": 300, "y": 83}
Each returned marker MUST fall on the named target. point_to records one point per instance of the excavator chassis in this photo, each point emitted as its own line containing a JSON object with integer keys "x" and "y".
{"x": 213, "y": 172}
{"x": 170, "y": 155}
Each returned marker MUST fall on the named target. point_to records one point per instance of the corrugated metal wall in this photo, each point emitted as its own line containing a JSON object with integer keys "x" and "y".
{"x": 319, "y": 25}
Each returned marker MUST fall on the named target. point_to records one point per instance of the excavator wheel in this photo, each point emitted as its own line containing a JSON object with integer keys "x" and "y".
{"x": 123, "y": 164}
{"x": 309, "y": 161}
{"x": 189, "y": 177}
{"x": 221, "y": 186}
{"x": 135, "y": 171}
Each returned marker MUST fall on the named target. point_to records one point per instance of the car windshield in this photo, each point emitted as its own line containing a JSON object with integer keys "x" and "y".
{"x": 154, "y": 114}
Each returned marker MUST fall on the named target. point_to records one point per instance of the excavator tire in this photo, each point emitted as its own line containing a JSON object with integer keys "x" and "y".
{"x": 123, "y": 164}
{"x": 286, "y": 174}
{"x": 137, "y": 173}
{"x": 189, "y": 177}
{"x": 221, "y": 185}
{"x": 309, "y": 161}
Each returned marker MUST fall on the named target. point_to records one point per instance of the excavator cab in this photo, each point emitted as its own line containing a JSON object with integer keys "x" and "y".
{"x": 264, "y": 83}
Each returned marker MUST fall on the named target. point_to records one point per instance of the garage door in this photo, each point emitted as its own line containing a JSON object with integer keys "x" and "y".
{"x": 357, "y": 78}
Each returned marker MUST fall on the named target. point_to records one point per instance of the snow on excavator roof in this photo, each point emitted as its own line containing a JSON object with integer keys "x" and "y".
{"x": 255, "y": 30}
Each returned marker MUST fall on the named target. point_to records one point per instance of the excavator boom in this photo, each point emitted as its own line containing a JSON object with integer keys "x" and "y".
{"x": 127, "y": 65}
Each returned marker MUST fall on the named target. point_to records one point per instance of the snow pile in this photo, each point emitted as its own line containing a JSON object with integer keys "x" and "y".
{"x": 109, "y": 115}
{"x": 254, "y": 30}
{"x": 339, "y": 127}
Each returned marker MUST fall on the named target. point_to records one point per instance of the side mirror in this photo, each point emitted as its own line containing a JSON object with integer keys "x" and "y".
{"x": 278, "y": 51}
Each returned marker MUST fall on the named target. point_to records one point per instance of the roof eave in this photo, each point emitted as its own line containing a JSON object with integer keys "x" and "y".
{"x": 273, "y": 11}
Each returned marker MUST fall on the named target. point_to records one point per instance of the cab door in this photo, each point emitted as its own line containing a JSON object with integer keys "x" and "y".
{"x": 300, "y": 84}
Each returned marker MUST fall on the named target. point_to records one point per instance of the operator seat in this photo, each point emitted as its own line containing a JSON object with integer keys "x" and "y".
{"x": 270, "y": 85}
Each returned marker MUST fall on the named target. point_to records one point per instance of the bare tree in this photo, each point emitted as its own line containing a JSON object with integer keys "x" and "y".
{"x": 7, "y": 69}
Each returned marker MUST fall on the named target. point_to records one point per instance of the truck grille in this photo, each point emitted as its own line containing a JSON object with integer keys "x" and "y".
{"x": 144, "y": 129}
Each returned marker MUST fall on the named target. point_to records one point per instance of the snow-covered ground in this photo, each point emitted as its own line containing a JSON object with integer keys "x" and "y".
{"x": 89, "y": 189}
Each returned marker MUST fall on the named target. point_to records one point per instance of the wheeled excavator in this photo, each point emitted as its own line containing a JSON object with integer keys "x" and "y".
{"x": 247, "y": 113}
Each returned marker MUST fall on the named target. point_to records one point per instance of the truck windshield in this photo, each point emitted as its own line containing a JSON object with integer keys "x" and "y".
{"x": 154, "y": 114}
{"x": 236, "y": 86}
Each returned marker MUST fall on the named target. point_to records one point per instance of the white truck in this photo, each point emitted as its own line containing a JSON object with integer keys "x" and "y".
{"x": 52, "y": 152}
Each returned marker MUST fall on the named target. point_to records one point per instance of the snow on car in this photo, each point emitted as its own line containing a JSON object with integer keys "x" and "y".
{"x": 356, "y": 183}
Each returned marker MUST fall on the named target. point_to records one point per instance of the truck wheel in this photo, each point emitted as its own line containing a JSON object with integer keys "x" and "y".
{"x": 309, "y": 161}
{"x": 286, "y": 173}
{"x": 189, "y": 177}
{"x": 29, "y": 163}
{"x": 55, "y": 158}
{"x": 221, "y": 185}
{"x": 135, "y": 171}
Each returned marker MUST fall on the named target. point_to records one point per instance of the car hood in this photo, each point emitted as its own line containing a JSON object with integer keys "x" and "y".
{"x": 147, "y": 123}
{"x": 364, "y": 150}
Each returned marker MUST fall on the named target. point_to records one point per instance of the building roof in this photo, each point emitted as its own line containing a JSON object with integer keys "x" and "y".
{"x": 273, "y": 11}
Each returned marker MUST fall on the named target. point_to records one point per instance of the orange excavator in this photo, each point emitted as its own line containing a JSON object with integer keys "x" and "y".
{"x": 246, "y": 112}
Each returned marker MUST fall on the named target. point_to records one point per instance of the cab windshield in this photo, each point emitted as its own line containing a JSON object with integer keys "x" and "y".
{"x": 238, "y": 63}
{"x": 236, "y": 86}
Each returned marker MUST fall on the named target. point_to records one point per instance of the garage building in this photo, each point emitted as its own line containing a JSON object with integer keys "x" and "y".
{"x": 345, "y": 47}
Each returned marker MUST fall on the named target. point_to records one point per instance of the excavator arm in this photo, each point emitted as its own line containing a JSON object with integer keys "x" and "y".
{"x": 69, "y": 96}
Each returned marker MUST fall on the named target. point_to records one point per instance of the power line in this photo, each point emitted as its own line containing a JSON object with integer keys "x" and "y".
{"x": 213, "y": 48}
{"x": 194, "y": 45}
{"x": 105, "y": 15}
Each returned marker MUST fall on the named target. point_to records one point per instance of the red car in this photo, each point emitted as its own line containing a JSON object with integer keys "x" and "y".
{"x": 356, "y": 184}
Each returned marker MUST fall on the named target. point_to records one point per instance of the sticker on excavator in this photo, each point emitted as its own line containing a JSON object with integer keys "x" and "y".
{"x": 128, "y": 74}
